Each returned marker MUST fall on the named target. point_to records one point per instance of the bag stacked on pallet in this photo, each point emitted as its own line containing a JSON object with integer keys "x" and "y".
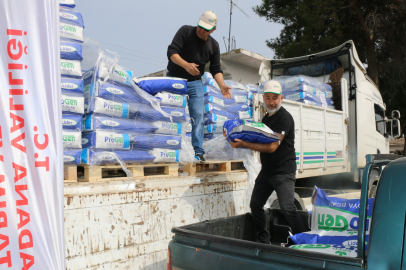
{"x": 71, "y": 33}
{"x": 219, "y": 109}
{"x": 306, "y": 90}
{"x": 334, "y": 223}
{"x": 125, "y": 123}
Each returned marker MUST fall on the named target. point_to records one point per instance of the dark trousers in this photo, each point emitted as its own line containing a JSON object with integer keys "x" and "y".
{"x": 284, "y": 185}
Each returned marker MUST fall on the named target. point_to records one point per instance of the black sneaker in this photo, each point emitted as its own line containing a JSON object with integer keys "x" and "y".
{"x": 200, "y": 158}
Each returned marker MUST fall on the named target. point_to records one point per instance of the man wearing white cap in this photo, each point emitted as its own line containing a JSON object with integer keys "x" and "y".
{"x": 278, "y": 160}
{"x": 191, "y": 49}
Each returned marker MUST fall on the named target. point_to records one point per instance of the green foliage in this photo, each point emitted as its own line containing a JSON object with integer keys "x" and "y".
{"x": 377, "y": 27}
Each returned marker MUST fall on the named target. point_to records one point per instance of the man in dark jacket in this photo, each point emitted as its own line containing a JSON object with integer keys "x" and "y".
{"x": 278, "y": 160}
{"x": 191, "y": 49}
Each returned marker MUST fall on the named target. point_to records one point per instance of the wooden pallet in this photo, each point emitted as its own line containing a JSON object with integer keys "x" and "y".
{"x": 214, "y": 166}
{"x": 70, "y": 173}
{"x": 115, "y": 172}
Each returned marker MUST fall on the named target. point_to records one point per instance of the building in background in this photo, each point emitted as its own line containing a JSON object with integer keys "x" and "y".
{"x": 239, "y": 65}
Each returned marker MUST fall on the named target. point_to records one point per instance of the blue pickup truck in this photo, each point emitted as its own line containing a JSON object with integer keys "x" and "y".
{"x": 230, "y": 243}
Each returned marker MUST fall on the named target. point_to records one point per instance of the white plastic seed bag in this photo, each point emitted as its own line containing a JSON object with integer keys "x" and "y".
{"x": 164, "y": 155}
{"x": 71, "y": 68}
{"x": 72, "y": 139}
{"x": 71, "y": 32}
{"x": 343, "y": 251}
{"x": 73, "y": 104}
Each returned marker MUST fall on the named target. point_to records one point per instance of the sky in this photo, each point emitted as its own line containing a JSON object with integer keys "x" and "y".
{"x": 140, "y": 31}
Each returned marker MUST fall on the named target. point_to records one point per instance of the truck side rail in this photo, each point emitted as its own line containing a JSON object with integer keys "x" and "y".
{"x": 208, "y": 239}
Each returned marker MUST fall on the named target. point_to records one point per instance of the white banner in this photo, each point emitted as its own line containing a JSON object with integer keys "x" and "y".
{"x": 31, "y": 168}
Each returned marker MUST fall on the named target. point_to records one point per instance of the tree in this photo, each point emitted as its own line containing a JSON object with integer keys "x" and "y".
{"x": 377, "y": 27}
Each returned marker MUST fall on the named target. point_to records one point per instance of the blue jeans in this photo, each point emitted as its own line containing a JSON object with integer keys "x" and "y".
{"x": 196, "y": 111}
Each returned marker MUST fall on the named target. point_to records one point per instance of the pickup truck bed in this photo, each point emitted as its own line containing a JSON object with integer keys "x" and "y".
{"x": 196, "y": 244}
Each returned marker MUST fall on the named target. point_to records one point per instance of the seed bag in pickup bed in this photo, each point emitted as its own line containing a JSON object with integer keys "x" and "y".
{"x": 70, "y": 32}
{"x": 71, "y": 68}
{"x": 254, "y": 132}
{"x": 72, "y": 139}
{"x": 121, "y": 125}
{"x": 164, "y": 155}
{"x": 71, "y": 156}
{"x": 339, "y": 250}
{"x": 71, "y": 16}
{"x": 151, "y": 141}
{"x": 106, "y": 140}
{"x": 170, "y": 99}
{"x": 71, "y": 51}
{"x": 71, "y": 86}
{"x": 115, "y": 92}
{"x": 337, "y": 214}
{"x": 298, "y": 96}
{"x": 149, "y": 113}
{"x": 169, "y": 128}
{"x": 108, "y": 107}
{"x": 97, "y": 156}
{"x": 154, "y": 85}
{"x": 72, "y": 121}
{"x": 73, "y": 104}
{"x": 309, "y": 89}
{"x": 346, "y": 238}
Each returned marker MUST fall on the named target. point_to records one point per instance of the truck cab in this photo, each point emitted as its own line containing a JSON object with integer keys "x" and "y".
{"x": 358, "y": 124}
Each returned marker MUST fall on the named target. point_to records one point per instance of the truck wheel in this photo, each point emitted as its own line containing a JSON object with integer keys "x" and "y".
{"x": 373, "y": 183}
{"x": 274, "y": 203}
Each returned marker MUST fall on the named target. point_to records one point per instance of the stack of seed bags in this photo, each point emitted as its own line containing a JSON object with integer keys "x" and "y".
{"x": 306, "y": 90}
{"x": 334, "y": 223}
{"x": 71, "y": 32}
{"x": 219, "y": 109}
{"x": 172, "y": 96}
{"x": 125, "y": 123}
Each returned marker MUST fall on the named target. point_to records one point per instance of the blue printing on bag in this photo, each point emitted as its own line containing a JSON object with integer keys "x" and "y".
{"x": 71, "y": 51}
{"x": 152, "y": 141}
{"x": 154, "y": 86}
{"x": 89, "y": 74}
{"x": 209, "y": 108}
{"x": 89, "y": 140}
{"x": 149, "y": 113}
{"x": 71, "y": 16}
{"x": 234, "y": 109}
{"x": 117, "y": 93}
{"x": 126, "y": 155}
{"x": 309, "y": 238}
{"x": 96, "y": 122}
{"x": 125, "y": 113}
{"x": 72, "y": 121}
{"x": 72, "y": 156}
{"x": 247, "y": 136}
{"x": 72, "y": 86}
{"x": 212, "y": 118}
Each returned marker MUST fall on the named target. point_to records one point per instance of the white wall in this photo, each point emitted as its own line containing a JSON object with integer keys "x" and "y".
{"x": 108, "y": 226}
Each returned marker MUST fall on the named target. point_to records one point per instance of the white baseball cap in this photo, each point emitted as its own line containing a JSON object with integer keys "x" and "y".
{"x": 273, "y": 87}
{"x": 208, "y": 20}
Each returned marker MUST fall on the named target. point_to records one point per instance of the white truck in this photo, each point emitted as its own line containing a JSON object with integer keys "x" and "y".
{"x": 331, "y": 141}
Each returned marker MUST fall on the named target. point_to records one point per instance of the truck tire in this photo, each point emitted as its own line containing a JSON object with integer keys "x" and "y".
{"x": 373, "y": 183}
{"x": 274, "y": 203}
